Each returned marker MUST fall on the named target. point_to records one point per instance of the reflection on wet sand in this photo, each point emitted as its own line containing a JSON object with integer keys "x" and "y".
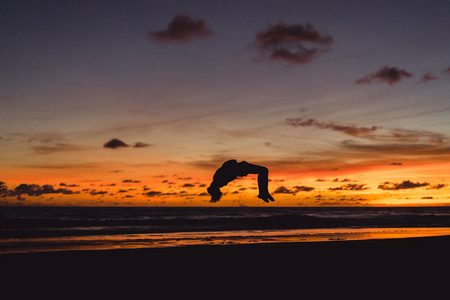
{"x": 177, "y": 239}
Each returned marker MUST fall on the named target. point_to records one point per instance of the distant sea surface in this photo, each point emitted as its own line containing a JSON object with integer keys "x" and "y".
{"x": 29, "y": 229}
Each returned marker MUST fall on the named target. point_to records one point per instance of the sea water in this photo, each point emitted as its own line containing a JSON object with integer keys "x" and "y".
{"x": 29, "y": 229}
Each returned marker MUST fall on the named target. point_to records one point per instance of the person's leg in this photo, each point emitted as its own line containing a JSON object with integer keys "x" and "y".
{"x": 263, "y": 180}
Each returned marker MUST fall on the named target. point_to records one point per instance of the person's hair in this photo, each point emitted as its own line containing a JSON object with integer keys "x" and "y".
{"x": 215, "y": 193}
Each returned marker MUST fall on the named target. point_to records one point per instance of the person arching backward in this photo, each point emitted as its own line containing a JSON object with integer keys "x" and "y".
{"x": 230, "y": 170}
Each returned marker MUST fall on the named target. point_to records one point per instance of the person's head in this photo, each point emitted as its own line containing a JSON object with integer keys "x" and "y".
{"x": 215, "y": 193}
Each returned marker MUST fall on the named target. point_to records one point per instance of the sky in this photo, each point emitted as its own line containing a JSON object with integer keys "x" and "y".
{"x": 139, "y": 102}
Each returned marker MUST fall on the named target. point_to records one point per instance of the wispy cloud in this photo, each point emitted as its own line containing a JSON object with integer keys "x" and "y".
{"x": 350, "y": 187}
{"x": 295, "y": 43}
{"x": 446, "y": 71}
{"x": 294, "y": 190}
{"x": 181, "y": 29}
{"x": 375, "y": 133}
{"x": 55, "y": 148}
{"x": 427, "y": 77}
{"x": 349, "y": 130}
{"x": 386, "y": 74}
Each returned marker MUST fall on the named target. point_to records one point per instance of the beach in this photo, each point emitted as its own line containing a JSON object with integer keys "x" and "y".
{"x": 225, "y": 251}
{"x": 379, "y": 263}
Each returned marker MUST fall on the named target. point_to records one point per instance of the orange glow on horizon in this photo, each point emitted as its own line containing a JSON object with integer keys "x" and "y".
{"x": 353, "y": 186}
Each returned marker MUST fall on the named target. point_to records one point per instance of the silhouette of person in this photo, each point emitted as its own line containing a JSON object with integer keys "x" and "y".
{"x": 230, "y": 170}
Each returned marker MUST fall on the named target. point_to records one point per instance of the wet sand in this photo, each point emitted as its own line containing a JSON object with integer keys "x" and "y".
{"x": 375, "y": 264}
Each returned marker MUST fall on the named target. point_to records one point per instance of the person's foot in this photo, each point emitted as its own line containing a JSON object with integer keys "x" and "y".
{"x": 266, "y": 197}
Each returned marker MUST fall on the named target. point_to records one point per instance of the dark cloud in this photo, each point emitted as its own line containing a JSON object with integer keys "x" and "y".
{"x": 295, "y": 44}
{"x": 390, "y": 75}
{"x": 152, "y": 194}
{"x": 350, "y": 187}
{"x": 95, "y": 192}
{"x": 427, "y": 77}
{"x": 32, "y": 190}
{"x": 115, "y": 144}
{"x": 350, "y": 130}
{"x": 282, "y": 190}
{"x": 396, "y": 164}
{"x": 188, "y": 185}
{"x": 294, "y": 190}
{"x": 130, "y": 181}
{"x": 69, "y": 185}
{"x": 303, "y": 188}
{"x": 406, "y": 184}
{"x": 437, "y": 186}
{"x": 342, "y": 180}
{"x": 181, "y": 29}
{"x": 141, "y": 145}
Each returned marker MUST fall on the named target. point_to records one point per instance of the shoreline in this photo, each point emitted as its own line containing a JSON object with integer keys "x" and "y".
{"x": 218, "y": 238}
{"x": 439, "y": 243}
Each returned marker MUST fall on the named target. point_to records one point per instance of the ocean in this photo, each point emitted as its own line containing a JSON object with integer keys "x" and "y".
{"x": 30, "y": 229}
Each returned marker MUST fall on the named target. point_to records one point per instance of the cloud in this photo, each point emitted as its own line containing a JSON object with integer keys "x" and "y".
{"x": 32, "y": 190}
{"x": 394, "y": 138}
{"x": 390, "y": 75}
{"x": 95, "y": 192}
{"x": 406, "y": 184}
{"x": 294, "y": 190}
{"x": 181, "y": 29}
{"x": 48, "y": 143}
{"x": 409, "y": 148}
{"x": 152, "y": 194}
{"x": 396, "y": 164}
{"x": 188, "y": 185}
{"x": 64, "y": 166}
{"x": 56, "y": 147}
{"x": 342, "y": 180}
{"x": 69, "y": 185}
{"x": 350, "y": 187}
{"x": 437, "y": 186}
{"x": 115, "y": 144}
{"x": 295, "y": 44}
{"x": 141, "y": 145}
{"x": 349, "y": 130}
{"x": 427, "y": 77}
{"x": 303, "y": 189}
{"x": 282, "y": 190}
{"x": 446, "y": 71}
{"x": 131, "y": 181}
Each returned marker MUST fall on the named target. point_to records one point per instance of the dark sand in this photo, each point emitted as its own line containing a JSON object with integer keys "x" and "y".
{"x": 407, "y": 266}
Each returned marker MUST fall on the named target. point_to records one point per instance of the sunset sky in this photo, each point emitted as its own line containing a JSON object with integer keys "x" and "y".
{"x": 139, "y": 102}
